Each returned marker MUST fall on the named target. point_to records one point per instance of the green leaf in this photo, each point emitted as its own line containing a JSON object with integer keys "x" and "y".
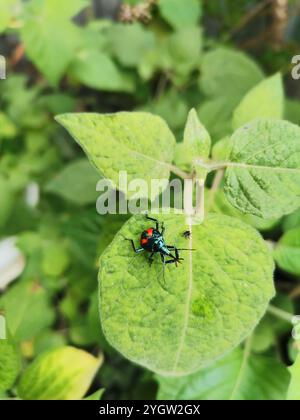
{"x": 58, "y": 103}
{"x": 136, "y": 142}
{"x": 266, "y": 100}
{"x": 98, "y": 71}
{"x": 292, "y": 111}
{"x": 7, "y": 128}
{"x": 5, "y": 16}
{"x": 287, "y": 252}
{"x": 62, "y": 374}
{"x": 196, "y": 136}
{"x": 129, "y": 43}
{"x": 6, "y": 201}
{"x": 216, "y": 115}
{"x": 176, "y": 54}
{"x": 22, "y": 102}
{"x": 9, "y": 364}
{"x": 196, "y": 142}
{"x": 183, "y": 49}
{"x": 50, "y": 38}
{"x": 220, "y": 290}
{"x": 263, "y": 337}
{"x": 227, "y": 72}
{"x": 294, "y": 388}
{"x": 8, "y": 11}
{"x": 238, "y": 376}
{"x": 55, "y": 259}
{"x": 170, "y": 106}
{"x": 96, "y": 396}
{"x": 180, "y": 13}
{"x": 222, "y": 149}
{"x": 263, "y": 175}
{"x": 48, "y": 340}
{"x": 221, "y": 205}
{"x": 291, "y": 221}
{"x": 76, "y": 183}
{"x": 27, "y": 310}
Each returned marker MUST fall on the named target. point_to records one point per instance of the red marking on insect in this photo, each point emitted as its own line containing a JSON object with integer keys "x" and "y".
{"x": 144, "y": 241}
{"x": 150, "y": 232}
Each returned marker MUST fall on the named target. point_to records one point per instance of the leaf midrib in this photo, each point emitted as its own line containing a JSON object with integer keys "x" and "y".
{"x": 269, "y": 168}
{"x": 188, "y": 302}
{"x": 244, "y": 363}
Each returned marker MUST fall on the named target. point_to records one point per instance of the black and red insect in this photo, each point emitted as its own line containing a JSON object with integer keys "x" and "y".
{"x": 152, "y": 240}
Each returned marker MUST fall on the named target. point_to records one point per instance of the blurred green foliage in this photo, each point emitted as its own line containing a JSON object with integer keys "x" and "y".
{"x": 62, "y": 57}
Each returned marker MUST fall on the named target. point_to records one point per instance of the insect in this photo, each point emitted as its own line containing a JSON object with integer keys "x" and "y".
{"x": 187, "y": 234}
{"x": 153, "y": 241}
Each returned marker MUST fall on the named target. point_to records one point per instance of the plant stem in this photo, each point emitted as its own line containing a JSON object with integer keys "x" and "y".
{"x": 246, "y": 355}
{"x": 17, "y": 55}
{"x": 161, "y": 86}
{"x": 215, "y": 186}
{"x": 200, "y": 204}
{"x": 253, "y": 13}
{"x": 177, "y": 171}
{"x": 211, "y": 166}
{"x": 279, "y": 313}
{"x": 188, "y": 197}
{"x": 295, "y": 293}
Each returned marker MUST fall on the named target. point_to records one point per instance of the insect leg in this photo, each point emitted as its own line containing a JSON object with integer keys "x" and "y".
{"x": 171, "y": 262}
{"x": 163, "y": 260}
{"x": 176, "y": 259}
{"x": 151, "y": 259}
{"x": 153, "y": 220}
{"x": 179, "y": 249}
{"x": 136, "y": 250}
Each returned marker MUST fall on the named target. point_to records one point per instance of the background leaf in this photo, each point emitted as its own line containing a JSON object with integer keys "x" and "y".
{"x": 228, "y": 72}
{"x": 9, "y": 364}
{"x": 264, "y": 100}
{"x": 96, "y": 396}
{"x": 50, "y": 38}
{"x": 76, "y": 183}
{"x": 238, "y": 376}
{"x": 62, "y": 374}
{"x": 294, "y": 388}
{"x": 178, "y": 13}
{"x": 86, "y": 66}
{"x": 27, "y": 310}
{"x": 287, "y": 252}
{"x": 129, "y": 43}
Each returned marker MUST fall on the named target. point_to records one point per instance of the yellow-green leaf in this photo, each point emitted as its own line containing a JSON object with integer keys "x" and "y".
{"x": 137, "y": 142}
{"x": 62, "y": 374}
